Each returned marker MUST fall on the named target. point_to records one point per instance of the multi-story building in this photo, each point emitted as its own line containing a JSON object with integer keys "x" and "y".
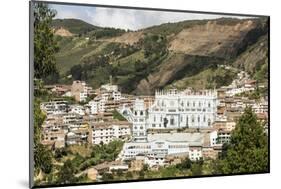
{"x": 77, "y": 136}
{"x": 223, "y": 136}
{"x": 172, "y": 110}
{"x": 160, "y": 145}
{"x": 80, "y": 90}
{"x": 107, "y": 99}
{"x": 77, "y": 109}
{"x": 55, "y": 107}
{"x": 105, "y": 132}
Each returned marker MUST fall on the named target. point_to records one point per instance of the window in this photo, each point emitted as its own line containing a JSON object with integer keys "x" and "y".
{"x": 193, "y": 104}
{"x": 165, "y": 122}
{"x": 209, "y": 104}
{"x": 154, "y": 119}
{"x": 198, "y": 118}
{"x": 192, "y": 119}
{"x": 135, "y": 112}
{"x": 209, "y": 122}
{"x": 141, "y": 112}
{"x": 187, "y": 103}
{"x": 204, "y": 118}
{"x": 172, "y": 121}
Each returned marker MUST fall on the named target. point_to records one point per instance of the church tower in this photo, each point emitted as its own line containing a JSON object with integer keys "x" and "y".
{"x": 139, "y": 121}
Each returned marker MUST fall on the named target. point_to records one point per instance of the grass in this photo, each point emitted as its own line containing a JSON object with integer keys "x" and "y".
{"x": 202, "y": 79}
{"x": 83, "y": 150}
{"x": 139, "y": 55}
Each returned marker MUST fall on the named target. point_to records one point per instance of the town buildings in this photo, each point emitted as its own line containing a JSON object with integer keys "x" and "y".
{"x": 107, "y": 99}
{"x": 105, "y": 132}
{"x": 159, "y": 130}
{"x": 80, "y": 90}
{"x": 161, "y": 145}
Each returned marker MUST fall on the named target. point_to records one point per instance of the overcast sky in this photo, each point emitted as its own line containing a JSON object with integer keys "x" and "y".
{"x": 125, "y": 18}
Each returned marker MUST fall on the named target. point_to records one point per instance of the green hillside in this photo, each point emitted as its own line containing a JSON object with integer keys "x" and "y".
{"x": 75, "y": 26}
{"x": 160, "y": 58}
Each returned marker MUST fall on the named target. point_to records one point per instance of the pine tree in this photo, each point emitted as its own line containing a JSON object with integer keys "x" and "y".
{"x": 248, "y": 148}
{"x": 45, "y": 45}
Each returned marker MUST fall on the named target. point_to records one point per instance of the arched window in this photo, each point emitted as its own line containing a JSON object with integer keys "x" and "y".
{"x": 136, "y": 113}
{"x": 141, "y": 112}
{"x": 165, "y": 122}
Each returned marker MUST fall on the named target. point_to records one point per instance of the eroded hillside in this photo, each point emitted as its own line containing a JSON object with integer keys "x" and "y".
{"x": 171, "y": 54}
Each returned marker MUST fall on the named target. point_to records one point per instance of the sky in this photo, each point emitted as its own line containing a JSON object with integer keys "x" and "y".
{"x": 126, "y": 18}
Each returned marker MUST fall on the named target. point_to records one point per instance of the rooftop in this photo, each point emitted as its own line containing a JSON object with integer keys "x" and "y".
{"x": 177, "y": 137}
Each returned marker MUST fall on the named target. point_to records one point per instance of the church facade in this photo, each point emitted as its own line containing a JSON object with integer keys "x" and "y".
{"x": 173, "y": 110}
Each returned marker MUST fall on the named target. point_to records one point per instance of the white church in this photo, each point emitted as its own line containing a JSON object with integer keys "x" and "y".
{"x": 171, "y": 109}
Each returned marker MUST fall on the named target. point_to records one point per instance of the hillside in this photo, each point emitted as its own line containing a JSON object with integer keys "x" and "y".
{"x": 73, "y": 26}
{"x": 169, "y": 55}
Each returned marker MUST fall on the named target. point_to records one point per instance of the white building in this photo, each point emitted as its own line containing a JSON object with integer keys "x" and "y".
{"x": 158, "y": 146}
{"x": 172, "y": 110}
{"x": 55, "y": 107}
{"x": 139, "y": 120}
{"x": 77, "y": 109}
{"x": 80, "y": 90}
{"x": 108, "y": 99}
{"x": 105, "y": 132}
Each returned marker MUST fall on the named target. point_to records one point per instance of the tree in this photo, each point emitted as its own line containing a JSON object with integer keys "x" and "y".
{"x": 248, "y": 148}
{"x": 43, "y": 158}
{"x": 42, "y": 155}
{"x": 185, "y": 164}
{"x": 66, "y": 174}
{"x": 196, "y": 169}
{"x": 76, "y": 72}
{"x": 45, "y": 45}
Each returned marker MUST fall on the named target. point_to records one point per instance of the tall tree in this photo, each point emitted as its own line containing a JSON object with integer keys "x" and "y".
{"x": 42, "y": 155}
{"x": 66, "y": 174}
{"x": 248, "y": 148}
{"x": 45, "y": 45}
